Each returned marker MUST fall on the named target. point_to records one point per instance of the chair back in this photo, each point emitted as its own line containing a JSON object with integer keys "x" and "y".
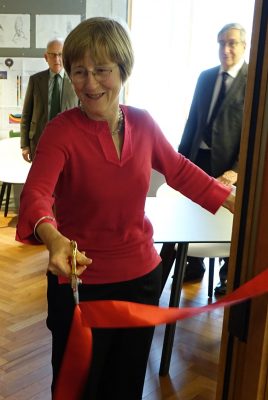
{"x": 13, "y": 168}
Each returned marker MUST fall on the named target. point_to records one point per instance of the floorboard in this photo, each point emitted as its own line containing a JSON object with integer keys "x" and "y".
{"x": 25, "y": 343}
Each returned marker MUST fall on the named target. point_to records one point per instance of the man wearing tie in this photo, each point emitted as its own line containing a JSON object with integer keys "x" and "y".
{"x": 48, "y": 93}
{"x": 211, "y": 137}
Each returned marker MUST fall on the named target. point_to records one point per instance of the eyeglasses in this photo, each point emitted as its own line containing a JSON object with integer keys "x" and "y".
{"x": 231, "y": 44}
{"x": 80, "y": 75}
{"x": 54, "y": 55}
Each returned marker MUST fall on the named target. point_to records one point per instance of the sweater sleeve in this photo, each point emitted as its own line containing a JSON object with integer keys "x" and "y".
{"x": 183, "y": 175}
{"x": 37, "y": 197}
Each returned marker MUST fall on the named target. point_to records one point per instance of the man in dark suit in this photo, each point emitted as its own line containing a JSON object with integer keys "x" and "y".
{"x": 37, "y": 102}
{"x": 212, "y": 139}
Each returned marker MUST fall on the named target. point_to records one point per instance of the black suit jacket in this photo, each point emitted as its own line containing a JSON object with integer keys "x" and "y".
{"x": 35, "y": 107}
{"x": 227, "y": 126}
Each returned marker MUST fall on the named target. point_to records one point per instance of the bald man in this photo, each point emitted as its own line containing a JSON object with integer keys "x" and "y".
{"x": 37, "y": 102}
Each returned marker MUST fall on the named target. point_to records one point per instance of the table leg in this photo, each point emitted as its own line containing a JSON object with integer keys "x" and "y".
{"x": 3, "y": 189}
{"x": 174, "y": 300}
{"x": 7, "y": 198}
{"x": 211, "y": 276}
{"x": 168, "y": 255}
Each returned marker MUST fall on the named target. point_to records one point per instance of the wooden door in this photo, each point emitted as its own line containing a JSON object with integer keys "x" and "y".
{"x": 243, "y": 369}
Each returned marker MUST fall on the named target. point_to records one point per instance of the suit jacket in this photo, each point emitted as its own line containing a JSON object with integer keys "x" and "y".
{"x": 35, "y": 109}
{"x": 226, "y": 130}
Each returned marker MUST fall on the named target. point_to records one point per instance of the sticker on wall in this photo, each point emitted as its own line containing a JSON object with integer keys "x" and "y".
{"x": 14, "y": 118}
{"x": 9, "y": 62}
{"x": 3, "y": 74}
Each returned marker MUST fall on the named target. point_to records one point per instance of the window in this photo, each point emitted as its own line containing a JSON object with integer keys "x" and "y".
{"x": 174, "y": 40}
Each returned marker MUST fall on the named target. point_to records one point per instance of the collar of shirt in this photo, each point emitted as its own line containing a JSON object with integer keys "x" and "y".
{"x": 233, "y": 71}
{"x": 232, "y": 74}
{"x": 52, "y": 74}
{"x": 51, "y": 81}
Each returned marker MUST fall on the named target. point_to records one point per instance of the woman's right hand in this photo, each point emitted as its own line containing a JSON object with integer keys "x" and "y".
{"x": 60, "y": 252}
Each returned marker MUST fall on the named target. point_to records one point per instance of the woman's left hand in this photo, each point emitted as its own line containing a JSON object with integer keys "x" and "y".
{"x": 230, "y": 203}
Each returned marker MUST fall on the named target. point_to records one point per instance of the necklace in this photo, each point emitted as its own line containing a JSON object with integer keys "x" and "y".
{"x": 120, "y": 123}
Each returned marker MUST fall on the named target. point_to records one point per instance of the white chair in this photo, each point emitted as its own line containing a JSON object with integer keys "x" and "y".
{"x": 200, "y": 250}
{"x": 13, "y": 168}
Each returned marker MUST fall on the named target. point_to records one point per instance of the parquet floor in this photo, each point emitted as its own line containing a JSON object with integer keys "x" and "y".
{"x": 25, "y": 371}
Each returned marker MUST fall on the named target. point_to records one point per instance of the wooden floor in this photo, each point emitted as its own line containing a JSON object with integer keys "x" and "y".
{"x": 25, "y": 343}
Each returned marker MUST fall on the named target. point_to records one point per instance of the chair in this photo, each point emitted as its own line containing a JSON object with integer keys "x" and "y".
{"x": 13, "y": 169}
{"x": 200, "y": 250}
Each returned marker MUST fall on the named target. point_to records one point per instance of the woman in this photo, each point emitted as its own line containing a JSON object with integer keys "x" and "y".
{"x": 99, "y": 159}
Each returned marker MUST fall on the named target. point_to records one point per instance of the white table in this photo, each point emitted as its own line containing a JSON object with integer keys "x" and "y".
{"x": 13, "y": 168}
{"x": 181, "y": 221}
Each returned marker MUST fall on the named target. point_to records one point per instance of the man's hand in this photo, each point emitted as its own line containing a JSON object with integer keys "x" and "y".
{"x": 228, "y": 178}
{"x": 26, "y": 154}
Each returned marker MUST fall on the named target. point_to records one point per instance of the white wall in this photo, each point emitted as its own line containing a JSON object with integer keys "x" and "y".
{"x": 107, "y": 8}
{"x": 174, "y": 40}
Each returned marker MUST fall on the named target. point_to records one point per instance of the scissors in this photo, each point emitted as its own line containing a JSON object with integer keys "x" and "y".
{"x": 75, "y": 281}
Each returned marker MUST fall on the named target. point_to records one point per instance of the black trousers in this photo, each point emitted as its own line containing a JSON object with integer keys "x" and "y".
{"x": 119, "y": 355}
{"x": 203, "y": 160}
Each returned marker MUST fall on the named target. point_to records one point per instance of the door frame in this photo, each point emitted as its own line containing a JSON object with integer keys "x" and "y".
{"x": 243, "y": 364}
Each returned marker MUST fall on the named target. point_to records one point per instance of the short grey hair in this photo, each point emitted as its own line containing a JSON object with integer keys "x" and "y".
{"x": 55, "y": 40}
{"x": 234, "y": 25}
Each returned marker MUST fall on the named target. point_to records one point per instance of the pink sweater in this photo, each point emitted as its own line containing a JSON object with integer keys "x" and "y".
{"x": 100, "y": 199}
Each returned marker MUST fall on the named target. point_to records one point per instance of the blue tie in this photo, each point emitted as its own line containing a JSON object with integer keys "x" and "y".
{"x": 208, "y": 133}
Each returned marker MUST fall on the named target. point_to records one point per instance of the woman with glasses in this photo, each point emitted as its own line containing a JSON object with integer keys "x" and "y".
{"x": 100, "y": 156}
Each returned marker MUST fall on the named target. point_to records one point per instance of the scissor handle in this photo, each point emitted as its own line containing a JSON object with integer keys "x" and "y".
{"x": 74, "y": 278}
{"x": 74, "y": 254}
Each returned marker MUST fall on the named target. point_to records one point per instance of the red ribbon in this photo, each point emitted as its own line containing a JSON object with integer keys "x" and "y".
{"x": 76, "y": 360}
{"x": 122, "y": 314}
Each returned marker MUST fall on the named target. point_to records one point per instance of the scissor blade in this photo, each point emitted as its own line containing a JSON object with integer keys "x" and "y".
{"x": 76, "y": 296}
{"x": 74, "y": 278}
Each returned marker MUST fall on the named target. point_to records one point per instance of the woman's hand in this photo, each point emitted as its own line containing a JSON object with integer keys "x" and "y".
{"x": 230, "y": 203}
{"x": 60, "y": 252}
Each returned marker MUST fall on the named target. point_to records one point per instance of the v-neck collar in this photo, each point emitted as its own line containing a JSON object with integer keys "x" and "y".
{"x": 101, "y": 130}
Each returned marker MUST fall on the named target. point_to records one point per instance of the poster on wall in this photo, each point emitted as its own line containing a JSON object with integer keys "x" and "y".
{"x": 14, "y": 77}
{"x": 15, "y": 30}
{"x": 54, "y": 26}
{"x": 10, "y": 82}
